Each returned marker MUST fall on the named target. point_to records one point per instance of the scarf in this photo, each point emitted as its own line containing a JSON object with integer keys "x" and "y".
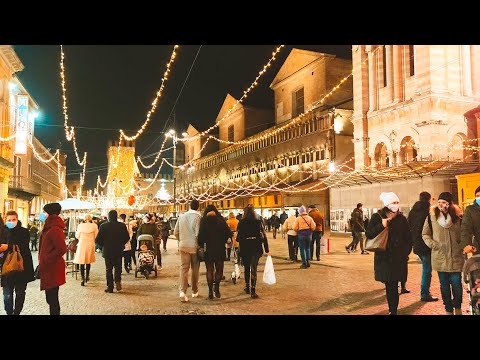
{"x": 445, "y": 223}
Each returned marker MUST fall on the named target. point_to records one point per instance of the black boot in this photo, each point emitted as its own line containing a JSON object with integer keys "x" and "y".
{"x": 87, "y": 277}
{"x": 247, "y": 289}
{"x": 210, "y": 293}
{"x": 253, "y": 294}
{"x": 217, "y": 290}
{"x": 82, "y": 274}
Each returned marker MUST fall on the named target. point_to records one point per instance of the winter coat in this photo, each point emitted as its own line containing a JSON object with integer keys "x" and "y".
{"x": 416, "y": 219}
{"x": 251, "y": 229}
{"x": 289, "y": 224}
{"x": 304, "y": 222}
{"x": 391, "y": 265}
{"x": 21, "y": 237}
{"x": 357, "y": 221}
{"x": 51, "y": 264}
{"x": 112, "y": 238}
{"x": 149, "y": 228}
{"x": 233, "y": 225}
{"x": 471, "y": 226}
{"x": 86, "y": 233}
{"x": 447, "y": 249}
{"x": 214, "y": 232}
{"x": 165, "y": 229}
{"x": 318, "y": 218}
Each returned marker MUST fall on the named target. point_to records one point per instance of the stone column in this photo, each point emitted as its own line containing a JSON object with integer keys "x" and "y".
{"x": 389, "y": 67}
{"x": 397, "y": 73}
{"x": 475, "y": 68}
{"x": 466, "y": 70}
{"x": 372, "y": 80}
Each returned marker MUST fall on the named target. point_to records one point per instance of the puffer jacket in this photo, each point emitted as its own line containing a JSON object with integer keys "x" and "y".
{"x": 446, "y": 245}
{"x": 471, "y": 226}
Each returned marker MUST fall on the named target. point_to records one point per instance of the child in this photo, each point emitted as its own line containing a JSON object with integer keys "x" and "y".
{"x": 146, "y": 258}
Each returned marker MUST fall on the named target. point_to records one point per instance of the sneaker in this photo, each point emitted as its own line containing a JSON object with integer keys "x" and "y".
{"x": 183, "y": 297}
{"x": 348, "y": 250}
{"x": 194, "y": 295}
{"x": 365, "y": 253}
{"x": 404, "y": 291}
{"x": 303, "y": 266}
{"x": 118, "y": 285}
{"x": 430, "y": 298}
{"x": 109, "y": 291}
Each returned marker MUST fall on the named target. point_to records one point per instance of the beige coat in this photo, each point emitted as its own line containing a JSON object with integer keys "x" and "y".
{"x": 289, "y": 224}
{"x": 86, "y": 233}
{"x": 447, "y": 251}
{"x": 304, "y": 222}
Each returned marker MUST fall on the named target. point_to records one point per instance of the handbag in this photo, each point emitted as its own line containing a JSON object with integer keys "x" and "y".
{"x": 13, "y": 261}
{"x": 268, "y": 272}
{"x": 72, "y": 246}
{"x": 379, "y": 242}
{"x": 201, "y": 254}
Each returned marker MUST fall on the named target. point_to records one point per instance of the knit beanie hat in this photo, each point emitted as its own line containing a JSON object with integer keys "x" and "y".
{"x": 52, "y": 208}
{"x": 388, "y": 198}
{"x": 448, "y": 197}
{"x": 302, "y": 210}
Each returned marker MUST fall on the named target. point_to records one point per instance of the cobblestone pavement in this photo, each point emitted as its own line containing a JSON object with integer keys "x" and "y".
{"x": 340, "y": 284}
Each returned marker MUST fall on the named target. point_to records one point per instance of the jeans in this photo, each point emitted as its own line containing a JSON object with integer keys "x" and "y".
{"x": 357, "y": 238}
{"x": 304, "y": 244}
{"x": 451, "y": 284}
{"x": 292, "y": 247}
{"x": 52, "y": 300}
{"x": 426, "y": 275}
{"x": 20, "y": 290}
{"x": 110, "y": 264}
{"x": 391, "y": 289}
{"x": 316, "y": 237}
{"x": 251, "y": 264}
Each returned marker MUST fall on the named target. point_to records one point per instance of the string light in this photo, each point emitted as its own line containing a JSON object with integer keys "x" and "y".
{"x": 155, "y": 101}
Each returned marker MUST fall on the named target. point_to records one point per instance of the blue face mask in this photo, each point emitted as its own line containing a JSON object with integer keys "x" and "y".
{"x": 477, "y": 200}
{"x": 42, "y": 217}
{"x": 11, "y": 224}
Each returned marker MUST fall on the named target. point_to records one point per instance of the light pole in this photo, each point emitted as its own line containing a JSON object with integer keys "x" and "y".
{"x": 172, "y": 133}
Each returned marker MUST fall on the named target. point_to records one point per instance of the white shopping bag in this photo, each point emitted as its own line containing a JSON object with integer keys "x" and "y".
{"x": 268, "y": 272}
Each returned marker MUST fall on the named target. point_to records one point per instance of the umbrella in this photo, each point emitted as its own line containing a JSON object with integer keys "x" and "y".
{"x": 75, "y": 204}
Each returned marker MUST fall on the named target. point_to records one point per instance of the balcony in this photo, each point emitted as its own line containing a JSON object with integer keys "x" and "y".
{"x": 23, "y": 187}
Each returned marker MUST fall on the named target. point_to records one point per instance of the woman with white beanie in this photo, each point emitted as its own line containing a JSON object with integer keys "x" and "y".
{"x": 390, "y": 266}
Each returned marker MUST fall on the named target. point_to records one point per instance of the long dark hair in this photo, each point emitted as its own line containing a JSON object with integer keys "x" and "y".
{"x": 249, "y": 214}
{"x": 451, "y": 211}
{"x": 210, "y": 208}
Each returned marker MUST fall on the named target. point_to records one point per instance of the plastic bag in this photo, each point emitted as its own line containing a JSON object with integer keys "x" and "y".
{"x": 268, "y": 272}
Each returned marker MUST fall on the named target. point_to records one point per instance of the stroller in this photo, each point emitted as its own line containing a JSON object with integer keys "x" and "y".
{"x": 471, "y": 276}
{"x": 236, "y": 259}
{"x": 146, "y": 260}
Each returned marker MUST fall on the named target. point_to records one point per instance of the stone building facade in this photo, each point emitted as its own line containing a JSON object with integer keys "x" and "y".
{"x": 409, "y": 123}
{"x": 308, "y": 143}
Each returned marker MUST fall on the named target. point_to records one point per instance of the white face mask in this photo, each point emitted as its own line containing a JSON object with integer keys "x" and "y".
{"x": 393, "y": 207}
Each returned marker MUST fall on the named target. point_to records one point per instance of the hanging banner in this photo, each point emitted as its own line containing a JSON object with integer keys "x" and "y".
{"x": 21, "y": 125}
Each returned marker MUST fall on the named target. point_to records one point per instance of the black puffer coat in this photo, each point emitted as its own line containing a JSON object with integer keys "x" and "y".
{"x": 391, "y": 265}
{"x": 214, "y": 232}
{"x": 416, "y": 219}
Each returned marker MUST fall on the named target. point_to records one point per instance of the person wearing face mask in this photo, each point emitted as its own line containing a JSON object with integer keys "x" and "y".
{"x": 471, "y": 226}
{"x": 15, "y": 234}
{"x": 390, "y": 266}
{"x": 442, "y": 233}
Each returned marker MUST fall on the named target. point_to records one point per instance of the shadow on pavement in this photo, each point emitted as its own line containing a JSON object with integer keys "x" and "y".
{"x": 359, "y": 300}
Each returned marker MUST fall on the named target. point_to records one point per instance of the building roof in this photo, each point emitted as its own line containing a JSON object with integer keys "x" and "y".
{"x": 8, "y": 54}
{"x": 297, "y": 60}
{"x": 228, "y": 103}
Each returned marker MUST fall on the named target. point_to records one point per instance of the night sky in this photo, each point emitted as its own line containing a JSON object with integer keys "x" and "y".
{"x": 112, "y": 87}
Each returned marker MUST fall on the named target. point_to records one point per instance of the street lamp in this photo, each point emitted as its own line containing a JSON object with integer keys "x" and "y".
{"x": 171, "y": 133}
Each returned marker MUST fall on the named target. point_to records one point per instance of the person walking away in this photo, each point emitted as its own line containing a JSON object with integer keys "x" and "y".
{"x": 133, "y": 224}
{"x": 275, "y": 220}
{"x": 315, "y": 214}
{"x": 186, "y": 232}
{"x": 111, "y": 238}
{"x": 85, "y": 254}
{"x": 251, "y": 236}
{"x": 471, "y": 226}
{"x": 390, "y": 266}
{"x": 351, "y": 246}
{"x": 304, "y": 226}
{"x": 416, "y": 220}
{"x": 214, "y": 233}
{"x": 358, "y": 228}
{"x": 232, "y": 225}
{"x": 127, "y": 250}
{"x": 165, "y": 232}
{"x": 292, "y": 238}
{"x": 13, "y": 234}
{"x": 442, "y": 233}
{"x": 33, "y": 232}
{"x": 51, "y": 264}
{"x": 149, "y": 227}
{"x": 283, "y": 218}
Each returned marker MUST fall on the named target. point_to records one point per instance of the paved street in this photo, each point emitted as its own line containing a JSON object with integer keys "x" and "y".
{"x": 340, "y": 284}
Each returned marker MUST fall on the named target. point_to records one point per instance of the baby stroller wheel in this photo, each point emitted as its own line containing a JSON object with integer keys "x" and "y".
{"x": 156, "y": 271}
{"x": 136, "y": 272}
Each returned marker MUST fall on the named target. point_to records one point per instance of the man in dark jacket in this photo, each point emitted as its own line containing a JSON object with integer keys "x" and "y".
{"x": 358, "y": 228}
{"x": 112, "y": 238}
{"x": 471, "y": 225}
{"x": 416, "y": 219}
{"x": 15, "y": 234}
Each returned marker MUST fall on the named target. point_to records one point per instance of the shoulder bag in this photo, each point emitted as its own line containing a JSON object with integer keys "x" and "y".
{"x": 13, "y": 261}
{"x": 379, "y": 242}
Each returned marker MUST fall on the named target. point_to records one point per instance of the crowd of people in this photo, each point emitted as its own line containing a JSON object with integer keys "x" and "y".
{"x": 439, "y": 233}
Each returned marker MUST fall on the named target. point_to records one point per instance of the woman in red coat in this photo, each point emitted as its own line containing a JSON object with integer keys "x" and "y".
{"x": 51, "y": 264}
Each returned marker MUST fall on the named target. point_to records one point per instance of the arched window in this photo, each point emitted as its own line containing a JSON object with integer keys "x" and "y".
{"x": 408, "y": 150}
{"x": 457, "y": 150}
{"x": 380, "y": 155}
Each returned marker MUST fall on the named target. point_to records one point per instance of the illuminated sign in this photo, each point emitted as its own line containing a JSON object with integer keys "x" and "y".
{"x": 21, "y": 125}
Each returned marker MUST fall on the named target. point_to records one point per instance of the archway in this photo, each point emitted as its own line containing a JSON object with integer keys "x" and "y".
{"x": 457, "y": 148}
{"x": 408, "y": 151}
{"x": 380, "y": 155}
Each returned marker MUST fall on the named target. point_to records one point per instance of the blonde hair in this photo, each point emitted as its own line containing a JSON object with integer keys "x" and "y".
{"x": 88, "y": 218}
{"x": 231, "y": 215}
